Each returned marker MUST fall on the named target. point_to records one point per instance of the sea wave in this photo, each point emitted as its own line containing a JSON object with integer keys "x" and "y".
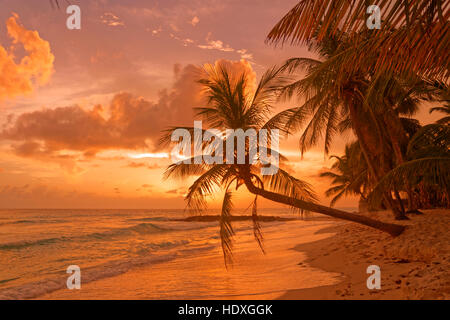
{"x": 110, "y": 269}
{"x": 32, "y": 222}
{"x": 109, "y": 235}
{"x": 140, "y": 229}
{"x": 148, "y": 219}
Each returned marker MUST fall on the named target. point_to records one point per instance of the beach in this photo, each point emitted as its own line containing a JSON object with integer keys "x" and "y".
{"x": 415, "y": 265}
{"x": 154, "y": 254}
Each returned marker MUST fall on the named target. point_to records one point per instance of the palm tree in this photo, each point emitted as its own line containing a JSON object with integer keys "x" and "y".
{"x": 408, "y": 44}
{"x": 428, "y": 164}
{"x": 231, "y": 105}
{"x": 349, "y": 175}
{"x": 414, "y": 37}
{"x": 334, "y": 106}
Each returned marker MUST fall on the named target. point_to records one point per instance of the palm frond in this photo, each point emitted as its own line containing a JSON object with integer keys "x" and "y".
{"x": 265, "y": 94}
{"x": 257, "y": 233}
{"x": 226, "y": 229}
{"x": 444, "y": 109}
{"x": 287, "y": 121}
{"x": 432, "y": 140}
{"x": 337, "y": 196}
{"x": 432, "y": 171}
{"x": 295, "y": 64}
{"x": 414, "y": 37}
{"x": 282, "y": 182}
{"x": 181, "y": 170}
{"x": 166, "y": 136}
{"x": 271, "y": 152}
{"x": 205, "y": 186}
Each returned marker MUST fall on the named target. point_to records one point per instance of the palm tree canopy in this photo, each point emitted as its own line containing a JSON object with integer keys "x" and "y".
{"x": 348, "y": 174}
{"x": 328, "y": 95}
{"x": 414, "y": 36}
{"x": 233, "y": 104}
{"x": 429, "y": 163}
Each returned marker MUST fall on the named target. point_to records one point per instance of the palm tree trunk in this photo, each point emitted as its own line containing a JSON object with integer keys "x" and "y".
{"x": 397, "y": 136}
{"x": 399, "y": 200}
{"x": 370, "y": 148}
{"x": 393, "y": 229}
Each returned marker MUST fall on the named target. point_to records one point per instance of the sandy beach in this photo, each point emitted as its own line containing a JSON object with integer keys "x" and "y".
{"x": 414, "y": 265}
{"x": 314, "y": 258}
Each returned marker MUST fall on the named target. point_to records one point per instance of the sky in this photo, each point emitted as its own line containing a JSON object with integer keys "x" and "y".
{"x": 81, "y": 111}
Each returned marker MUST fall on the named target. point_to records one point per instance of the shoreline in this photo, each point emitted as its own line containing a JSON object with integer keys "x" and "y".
{"x": 191, "y": 276}
{"x": 414, "y": 265}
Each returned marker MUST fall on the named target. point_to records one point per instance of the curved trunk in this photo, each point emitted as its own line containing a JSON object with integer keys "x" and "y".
{"x": 392, "y": 229}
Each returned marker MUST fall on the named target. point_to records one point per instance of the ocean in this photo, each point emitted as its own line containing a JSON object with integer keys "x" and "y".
{"x": 150, "y": 254}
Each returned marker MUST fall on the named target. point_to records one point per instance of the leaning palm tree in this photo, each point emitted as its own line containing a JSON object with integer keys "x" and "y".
{"x": 233, "y": 105}
{"x": 414, "y": 36}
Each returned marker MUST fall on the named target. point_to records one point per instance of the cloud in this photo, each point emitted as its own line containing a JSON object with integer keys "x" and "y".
{"x": 46, "y": 196}
{"x": 216, "y": 45}
{"x": 136, "y": 165}
{"x": 185, "y": 42}
{"x": 128, "y": 122}
{"x": 112, "y": 20}
{"x": 245, "y": 54}
{"x": 115, "y": 71}
{"x": 69, "y": 134}
{"x": 176, "y": 191}
{"x": 160, "y": 155}
{"x": 31, "y": 149}
{"x": 131, "y": 121}
{"x": 34, "y": 69}
{"x": 153, "y": 166}
{"x": 239, "y": 67}
{"x": 195, "y": 21}
{"x": 156, "y": 31}
{"x": 221, "y": 46}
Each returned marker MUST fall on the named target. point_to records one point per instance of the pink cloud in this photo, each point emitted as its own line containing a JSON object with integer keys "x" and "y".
{"x": 35, "y": 68}
{"x": 67, "y": 135}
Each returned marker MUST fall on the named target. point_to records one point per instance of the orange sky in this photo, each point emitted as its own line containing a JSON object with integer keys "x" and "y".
{"x": 81, "y": 110}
